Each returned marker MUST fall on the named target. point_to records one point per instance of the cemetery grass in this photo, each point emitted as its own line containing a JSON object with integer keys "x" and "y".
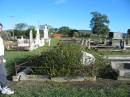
{"x": 104, "y": 88}
{"x": 17, "y": 57}
{"x": 100, "y": 88}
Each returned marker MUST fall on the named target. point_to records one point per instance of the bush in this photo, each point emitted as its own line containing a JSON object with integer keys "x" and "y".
{"x": 107, "y": 73}
{"x": 64, "y": 60}
{"x": 103, "y": 66}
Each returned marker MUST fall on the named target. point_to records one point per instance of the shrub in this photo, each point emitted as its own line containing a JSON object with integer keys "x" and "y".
{"x": 103, "y": 67}
{"x": 107, "y": 73}
{"x": 64, "y": 60}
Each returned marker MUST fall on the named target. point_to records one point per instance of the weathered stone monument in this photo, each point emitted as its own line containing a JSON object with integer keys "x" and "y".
{"x": 39, "y": 41}
{"x": 30, "y": 37}
{"x": 46, "y": 32}
{"x": 30, "y": 44}
{"x": 22, "y": 42}
{"x": 117, "y": 38}
{"x": 86, "y": 42}
{"x": 31, "y": 41}
{"x": 87, "y": 58}
{"x": 46, "y": 36}
{"x": 121, "y": 64}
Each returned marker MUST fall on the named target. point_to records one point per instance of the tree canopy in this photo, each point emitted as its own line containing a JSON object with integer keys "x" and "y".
{"x": 64, "y": 30}
{"x": 99, "y": 23}
{"x": 21, "y": 26}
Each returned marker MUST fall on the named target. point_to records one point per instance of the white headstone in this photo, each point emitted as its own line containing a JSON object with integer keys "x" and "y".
{"x": 30, "y": 37}
{"x": 117, "y": 35}
{"x": 87, "y": 58}
{"x": 42, "y": 42}
{"x": 37, "y": 41}
{"x": 46, "y": 32}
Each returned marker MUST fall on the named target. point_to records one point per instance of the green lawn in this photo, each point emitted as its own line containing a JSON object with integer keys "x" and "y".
{"x": 103, "y": 88}
{"x": 74, "y": 89}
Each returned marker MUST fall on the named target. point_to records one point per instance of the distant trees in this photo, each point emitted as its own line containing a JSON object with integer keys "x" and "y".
{"x": 64, "y": 30}
{"x": 21, "y": 26}
{"x": 19, "y": 30}
{"x": 99, "y": 24}
{"x": 23, "y": 29}
{"x": 74, "y": 33}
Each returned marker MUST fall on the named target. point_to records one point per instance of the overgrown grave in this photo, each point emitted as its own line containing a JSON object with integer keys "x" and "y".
{"x": 63, "y": 63}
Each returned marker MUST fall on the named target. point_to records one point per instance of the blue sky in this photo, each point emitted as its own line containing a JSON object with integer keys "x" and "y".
{"x": 72, "y": 13}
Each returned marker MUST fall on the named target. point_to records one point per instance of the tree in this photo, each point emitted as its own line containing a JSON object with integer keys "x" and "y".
{"x": 51, "y": 29}
{"x": 33, "y": 32}
{"x": 74, "y": 33}
{"x": 64, "y": 30}
{"x": 20, "y": 29}
{"x": 21, "y": 26}
{"x": 99, "y": 24}
{"x": 17, "y": 33}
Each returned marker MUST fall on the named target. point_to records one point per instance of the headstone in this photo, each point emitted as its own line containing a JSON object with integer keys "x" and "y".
{"x": 116, "y": 42}
{"x": 121, "y": 64}
{"x": 117, "y": 35}
{"x": 23, "y": 74}
{"x": 37, "y": 41}
{"x": 82, "y": 41}
{"x": 31, "y": 42}
{"x": 23, "y": 42}
{"x": 117, "y": 38}
{"x": 46, "y": 36}
{"x": 46, "y": 32}
{"x": 88, "y": 44}
{"x": 30, "y": 37}
{"x": 87, "y": 58}
{"x": 42, "y": 42}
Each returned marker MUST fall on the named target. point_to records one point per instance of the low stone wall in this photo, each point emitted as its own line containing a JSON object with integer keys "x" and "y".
{"x": 55, "y": 79}
{"x": 124, "y": 78}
